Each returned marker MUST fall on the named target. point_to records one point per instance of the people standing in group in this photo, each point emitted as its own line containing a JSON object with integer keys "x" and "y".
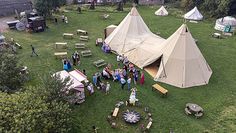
{"x": 123, "y": 82}
{"x": 108, "y": 88}
{"x": 77, "y": 56}
{"x": 90, "y": 88}
{"x": 142, "y": 78}
{"x": 124, "y": 73}
{"x": 66, "y": 20}
{"x": 68, "y": 64}
{"x": 63, "y": 18}
{"x": 84, "y": 72}
{"x": 33, "y": 51}
{"x": 74, "y": 59}
{"x": 95, "y": 79}
{"x": 55, "y": 20}
{"x": 65, "y": 66}
{"x": 135, "y": 77}
{"x": 129, "y": 83}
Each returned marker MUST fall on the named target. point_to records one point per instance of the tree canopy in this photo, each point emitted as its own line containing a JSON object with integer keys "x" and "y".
{"x": 10, "y": 79}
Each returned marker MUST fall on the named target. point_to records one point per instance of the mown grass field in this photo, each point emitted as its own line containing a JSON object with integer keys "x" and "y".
{"x": 217, "y": 98}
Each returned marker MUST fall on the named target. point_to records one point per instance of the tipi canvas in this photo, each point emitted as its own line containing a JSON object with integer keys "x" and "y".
{"x": 161, "y": 11}
{"x": 194, "y": 14}
{"x": 182, "y": 63}
{"x": 131, "y": 33}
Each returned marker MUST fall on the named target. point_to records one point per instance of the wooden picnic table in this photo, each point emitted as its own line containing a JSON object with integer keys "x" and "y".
{"x": 99, "y": 63}
{"x": 80, "y": 45}
{"x": 60, "y": 54}
{"x": 115, "y": 112}
{"x": 160, "y": 89}
{"x": 194, "y": 107}
{"x": 86, "y": 53}
{"x": 84, "y": 38}
{"x": 84, "y": 32}
{"x": 216, "y": 35}
{"x": 99, "y": 41}
{"x": 61, "y": 44}
{"x": 69, "y": 35}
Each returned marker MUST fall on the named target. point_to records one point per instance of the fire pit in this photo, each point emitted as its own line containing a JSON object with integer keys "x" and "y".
{"x": 131, "y": 117}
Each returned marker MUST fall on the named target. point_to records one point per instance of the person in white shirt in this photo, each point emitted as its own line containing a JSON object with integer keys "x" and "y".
{"x": 108, "y": 88}
{"x": 123, "y": 82}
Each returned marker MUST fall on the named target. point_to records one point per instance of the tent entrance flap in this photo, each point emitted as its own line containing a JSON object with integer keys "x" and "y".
{"x": 152, "y": 69}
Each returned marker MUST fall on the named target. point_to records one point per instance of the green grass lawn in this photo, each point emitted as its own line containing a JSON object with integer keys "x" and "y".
{"x": 217, "y": 98}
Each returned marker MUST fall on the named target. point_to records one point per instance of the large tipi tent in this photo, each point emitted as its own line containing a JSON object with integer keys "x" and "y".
{"x": 194, "y": 14}
{"x": 161, "y": 11}
{"x": 221, "y": 23}
{"x": 182, "y": 63}
{"x": 131, "y": 33}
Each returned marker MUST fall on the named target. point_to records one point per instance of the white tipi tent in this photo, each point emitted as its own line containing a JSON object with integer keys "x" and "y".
{"x": 161, "y": 11}
{"x": 182, "y": 63}
{"x": 194, "y": 14}
{"x": 131, "y": 33}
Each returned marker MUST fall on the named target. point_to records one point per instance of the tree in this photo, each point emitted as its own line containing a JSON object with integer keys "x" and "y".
{"x": 216, "y": 8}
{"x": 44, "y": 7}
{"x": 10, "y": 79}
{"x": 36, "y": 109}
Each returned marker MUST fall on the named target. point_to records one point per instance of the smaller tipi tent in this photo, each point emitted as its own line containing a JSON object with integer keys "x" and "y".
{"x": 194, "y": 14}
{"x": 161, "y": 11}
{"x": 182, "y": 63}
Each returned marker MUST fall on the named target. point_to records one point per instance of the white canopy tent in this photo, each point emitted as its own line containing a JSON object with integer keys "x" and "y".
{"x": 77, "y": 85}
{"x": 131, "y": 33}
{"x": 182, "y": 63}
{"x": 221, "y": 23}
{"x": 161, "y": 11}
{"x": 194, "y": 14}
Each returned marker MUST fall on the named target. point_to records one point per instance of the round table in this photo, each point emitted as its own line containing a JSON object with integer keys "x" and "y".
{"x": 131, "y": 116}
{"x": 194, "y": 107}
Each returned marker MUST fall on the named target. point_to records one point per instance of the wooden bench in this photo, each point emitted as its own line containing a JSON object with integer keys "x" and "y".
{"x": 68, "y": 35}
{"x": 18, "y": 45}
{"x": 115, "y": 112}
{"x": 99, "y": 41}
{"x": 60, "y": 54}
{"x": 187, "y": 112}
{"x": 160, "y": 89}
{"x": 149, "y": 125}
{"x": 105, "y": 16}
{"x": 60, "y": 45}
{"x": 86, "y": 53}
{"x": 80, "y": 46}
{"x": 99, "y": 63}
{"x": 79, "y": 31}
{"x": 216, "y": 35}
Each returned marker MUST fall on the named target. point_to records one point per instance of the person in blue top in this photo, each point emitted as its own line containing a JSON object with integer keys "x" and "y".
{"x": 65, "y": 66}
{"x": 95, "y": 79}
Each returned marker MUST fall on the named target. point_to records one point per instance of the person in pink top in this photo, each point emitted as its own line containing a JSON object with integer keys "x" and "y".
{"x": 142, "y": 78}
